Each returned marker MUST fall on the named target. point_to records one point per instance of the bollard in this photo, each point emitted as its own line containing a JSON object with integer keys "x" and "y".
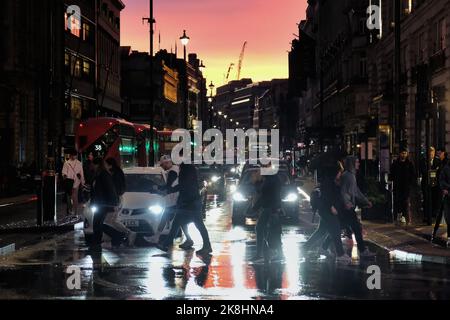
{"x": 49, "y": 196}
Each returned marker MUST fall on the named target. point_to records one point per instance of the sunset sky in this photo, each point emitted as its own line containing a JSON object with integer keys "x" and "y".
{"x": 218, "y": 29}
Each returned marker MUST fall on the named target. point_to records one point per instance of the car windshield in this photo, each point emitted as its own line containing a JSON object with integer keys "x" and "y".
{"x": 247, "y": 177}
{"x": 143, "y": 182}
{"x": 206, "y": 172}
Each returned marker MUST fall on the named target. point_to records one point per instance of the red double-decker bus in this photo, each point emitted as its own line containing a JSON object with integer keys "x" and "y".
{"x": 143, "y": 136}
{"x": 108, "y": 137}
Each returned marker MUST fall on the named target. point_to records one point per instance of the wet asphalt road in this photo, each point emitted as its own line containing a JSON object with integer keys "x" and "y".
{"x": 148, "y": 273}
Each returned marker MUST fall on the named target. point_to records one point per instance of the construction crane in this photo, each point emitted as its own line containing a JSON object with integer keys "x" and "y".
{"x": 228, "y": 72}
{"x": 241, "y": 59}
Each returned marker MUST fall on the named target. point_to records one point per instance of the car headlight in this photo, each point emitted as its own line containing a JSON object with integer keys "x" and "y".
{"x": 238, "y": 197}
{"x": 215, "y": 179}
{"x": 156, "y": 209}
{"x": 291, "y": 197}
{"x": 233, "y": 188}
{"x": 94, "y": 209}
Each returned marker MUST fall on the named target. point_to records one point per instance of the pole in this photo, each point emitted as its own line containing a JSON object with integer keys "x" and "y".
{"x": 151, "y": 21}
{"x": 186, "y": 92}
{"x": 398, "y": 110}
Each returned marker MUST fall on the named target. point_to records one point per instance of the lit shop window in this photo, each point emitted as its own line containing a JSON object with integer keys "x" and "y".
{"x": 86, "y": 69}
{"x": 86, "y": 32}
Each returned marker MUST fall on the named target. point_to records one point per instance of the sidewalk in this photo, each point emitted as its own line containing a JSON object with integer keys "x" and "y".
{"x": 410, "y": 243}
{"x": 25, "y": 198}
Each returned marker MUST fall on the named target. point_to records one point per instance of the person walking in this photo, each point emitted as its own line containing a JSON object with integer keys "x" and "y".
{"x": 429, "y": 168}
{"x": 89, "y": 175}
{"x": 189, "y": 209}
{"x": 444, "y": 183}
{"x": 403, "y": 176}
{"x": 73, "y": 178}
{"x": 329, "y": 204}
{"x": 269, "y": 204}
{"x": 112, "y": 219}
{"x": 351, "y": 195}
{"x": 104, "y": 199}
{"x": 172, "y": 181}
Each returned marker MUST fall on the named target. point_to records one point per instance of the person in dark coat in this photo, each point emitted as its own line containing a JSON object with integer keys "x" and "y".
{"x": 329, "y": 204}
{"x": 269, "y": 205}
{"x": 189, "y": 209}
{"x": 117, "y": 175}
{"x": 89, "y": 175}
{"x": 104, "y": 199}
{"x": 403, "y": 176}
{"x": 430, "y": 184}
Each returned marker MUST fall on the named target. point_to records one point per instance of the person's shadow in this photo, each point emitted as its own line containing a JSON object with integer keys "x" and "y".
{"x": 269, "y": 277}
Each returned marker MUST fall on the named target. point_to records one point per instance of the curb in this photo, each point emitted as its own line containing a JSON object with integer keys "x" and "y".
{"x": 43, "y": 229}
{"x": 411, "y": 257}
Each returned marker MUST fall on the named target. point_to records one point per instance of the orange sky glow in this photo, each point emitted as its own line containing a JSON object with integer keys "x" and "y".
{"x": 218, "y": 29}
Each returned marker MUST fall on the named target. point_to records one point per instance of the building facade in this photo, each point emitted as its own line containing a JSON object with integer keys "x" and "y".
{"x": 424, "y": 79}
{"x": 177, "y": 103}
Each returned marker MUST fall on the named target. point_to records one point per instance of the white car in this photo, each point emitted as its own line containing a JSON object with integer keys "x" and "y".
{"x": 142, "y": 205}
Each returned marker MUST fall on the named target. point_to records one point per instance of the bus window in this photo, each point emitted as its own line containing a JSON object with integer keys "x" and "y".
{"x": 127, "y": 151}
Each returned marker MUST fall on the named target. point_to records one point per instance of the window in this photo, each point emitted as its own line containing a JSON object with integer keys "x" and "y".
{"x": 118, "y": 23}
{"x": 86, "y": 69}
{"x": 441, "y": 34}
{"x": 105, "y": 9}
{"x": 86, "y": 32}
{"x": 75, "y": 67}
{"x": 421, "y": 47}
{"x": 111, "y": 17}
{"x": 66, "y": 60}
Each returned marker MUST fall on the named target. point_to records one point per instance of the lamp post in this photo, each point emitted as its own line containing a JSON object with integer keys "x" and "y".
{"x": 211, "y": 119}
{"x": 151, "y": 21}
{"x": 184, "y": 41}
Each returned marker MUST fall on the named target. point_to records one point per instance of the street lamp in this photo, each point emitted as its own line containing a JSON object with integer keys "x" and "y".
{"x": 201, "y": 66}
{"x": 184, "y": 41}
{"x": 211, "y": 87}
{"x": 220, "y": 113}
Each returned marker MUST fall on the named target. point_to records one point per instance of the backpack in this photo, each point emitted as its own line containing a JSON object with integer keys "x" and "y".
{"x": 315, "y": 199}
